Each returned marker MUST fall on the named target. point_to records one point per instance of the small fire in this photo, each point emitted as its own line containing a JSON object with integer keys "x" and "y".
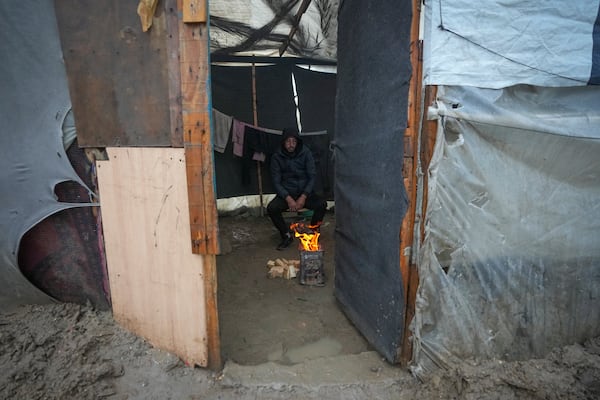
{"x": 308, "y": 235}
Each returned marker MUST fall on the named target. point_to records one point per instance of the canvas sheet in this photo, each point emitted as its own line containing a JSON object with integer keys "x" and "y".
{"x": 34, "y": 104}
{"x": 494, "y": 44}
{"x": 510, "y": 264}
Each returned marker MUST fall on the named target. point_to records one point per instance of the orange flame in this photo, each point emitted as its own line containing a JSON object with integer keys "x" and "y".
{"x": 308, "y": 235}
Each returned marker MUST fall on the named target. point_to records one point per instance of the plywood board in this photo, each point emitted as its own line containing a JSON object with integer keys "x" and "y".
{"x": 156, "y": 282}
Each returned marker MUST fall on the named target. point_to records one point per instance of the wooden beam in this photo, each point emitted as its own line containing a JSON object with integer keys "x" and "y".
{"x": 409, "y": 271}
{"x": 214, "y": 361}
{"x": 428, "y": 139}
{"x": 193, "y": 49}
{"x": 194, "y": 71}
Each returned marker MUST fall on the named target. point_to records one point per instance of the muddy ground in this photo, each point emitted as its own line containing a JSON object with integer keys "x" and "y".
{"x": 280, "y": 340}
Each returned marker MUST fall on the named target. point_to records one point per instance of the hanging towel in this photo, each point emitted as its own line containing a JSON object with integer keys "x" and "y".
{"x": 222, "y": 127}
{"x": 237, "y": 137}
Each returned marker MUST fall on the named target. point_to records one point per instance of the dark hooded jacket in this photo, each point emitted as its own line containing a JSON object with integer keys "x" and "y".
{"x": 293, "y": 173}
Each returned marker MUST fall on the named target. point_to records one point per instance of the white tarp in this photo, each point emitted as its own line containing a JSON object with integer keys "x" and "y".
{"x": 510, "y": 264}
{"x": 496, "y": 44}
{"x": 256, "y": 23}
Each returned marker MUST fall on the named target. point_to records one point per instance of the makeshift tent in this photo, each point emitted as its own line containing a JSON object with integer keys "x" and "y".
{"x": 509, "y": 266}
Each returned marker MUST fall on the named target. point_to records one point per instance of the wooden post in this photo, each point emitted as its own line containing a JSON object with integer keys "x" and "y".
{"x": 428, "y": 138}
{"x": 194, "y": 65}
{"x": 255, "y": 115}
{"x": 410, "y": 277}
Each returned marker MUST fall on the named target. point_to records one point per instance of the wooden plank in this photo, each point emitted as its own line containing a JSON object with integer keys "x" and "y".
{"x": 428, "y": 140}
{"x": 408, "y": 269}
{"x": 194, "y": 11}
{"x": 193, "y": 50}
{"x": 203, "y": 219}
{"x": 157, "y": 285}
{"x": 118, "y": 75}
{"x": 212, "y": 316}
{"x": 174, "y": 73}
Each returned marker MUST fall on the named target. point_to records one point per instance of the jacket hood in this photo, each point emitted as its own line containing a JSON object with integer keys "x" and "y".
{"x": 291, "y": 132}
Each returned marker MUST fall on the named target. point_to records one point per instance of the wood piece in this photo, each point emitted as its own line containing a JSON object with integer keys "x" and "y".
{"x": 214, "y": 361}
{"x": 290, "y": 272}
{"x": 193, "y": 42}
{"x": 408, "y": 268}
{"x": 194, "y": 11}
{"x": 146, "y": 10}
{"x": 276, "y": 272}
{"x": 174, "y": 73}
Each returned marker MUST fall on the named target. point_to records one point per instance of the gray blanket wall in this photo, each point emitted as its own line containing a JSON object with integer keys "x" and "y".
{"x": 370, "y": 198}
{"x": 33, "y": 105}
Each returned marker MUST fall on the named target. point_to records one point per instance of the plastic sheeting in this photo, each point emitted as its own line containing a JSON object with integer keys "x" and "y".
{"x": 496, "y": 44}
{"x": 33, "y": 105}
{"x": 510, "y": 264}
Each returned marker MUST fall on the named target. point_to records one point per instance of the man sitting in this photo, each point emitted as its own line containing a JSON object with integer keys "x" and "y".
{"x": 293, "y": 172}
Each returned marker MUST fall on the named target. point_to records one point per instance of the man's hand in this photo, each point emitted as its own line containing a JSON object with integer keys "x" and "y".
{"x": 300, "y": 202}
{"x": 292, "y": 205}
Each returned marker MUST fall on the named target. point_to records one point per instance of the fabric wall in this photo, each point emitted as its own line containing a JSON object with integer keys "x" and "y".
{"x": 510, "y": 264}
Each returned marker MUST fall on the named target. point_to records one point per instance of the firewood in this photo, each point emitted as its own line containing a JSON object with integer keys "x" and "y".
{"x": 280, "y": 262}
{"x": 290, "y": 273}
{"x": 270, "y": 263}
{"x": 276, "y": 272}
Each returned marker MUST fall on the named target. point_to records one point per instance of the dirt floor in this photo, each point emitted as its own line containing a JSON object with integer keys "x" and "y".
{"x": 280, "y": 340}
{"x": 264, "y": 319}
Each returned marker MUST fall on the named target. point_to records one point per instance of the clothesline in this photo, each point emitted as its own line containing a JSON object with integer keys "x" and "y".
{"x": 258, "y": 145}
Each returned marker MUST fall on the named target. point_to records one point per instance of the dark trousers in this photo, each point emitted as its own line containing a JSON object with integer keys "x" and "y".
{"x": 277, "y": 206}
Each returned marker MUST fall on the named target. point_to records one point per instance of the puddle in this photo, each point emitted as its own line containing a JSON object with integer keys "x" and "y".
{"x": 326, "y": 347}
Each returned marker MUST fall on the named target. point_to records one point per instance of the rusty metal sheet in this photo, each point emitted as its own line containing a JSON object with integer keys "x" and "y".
{"x": 118, "y": 75}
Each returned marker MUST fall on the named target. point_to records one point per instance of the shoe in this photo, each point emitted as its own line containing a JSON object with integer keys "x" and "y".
{"x": 285, "y": 242}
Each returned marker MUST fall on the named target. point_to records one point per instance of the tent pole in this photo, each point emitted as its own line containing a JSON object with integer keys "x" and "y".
{"x": 258, "y": 165}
